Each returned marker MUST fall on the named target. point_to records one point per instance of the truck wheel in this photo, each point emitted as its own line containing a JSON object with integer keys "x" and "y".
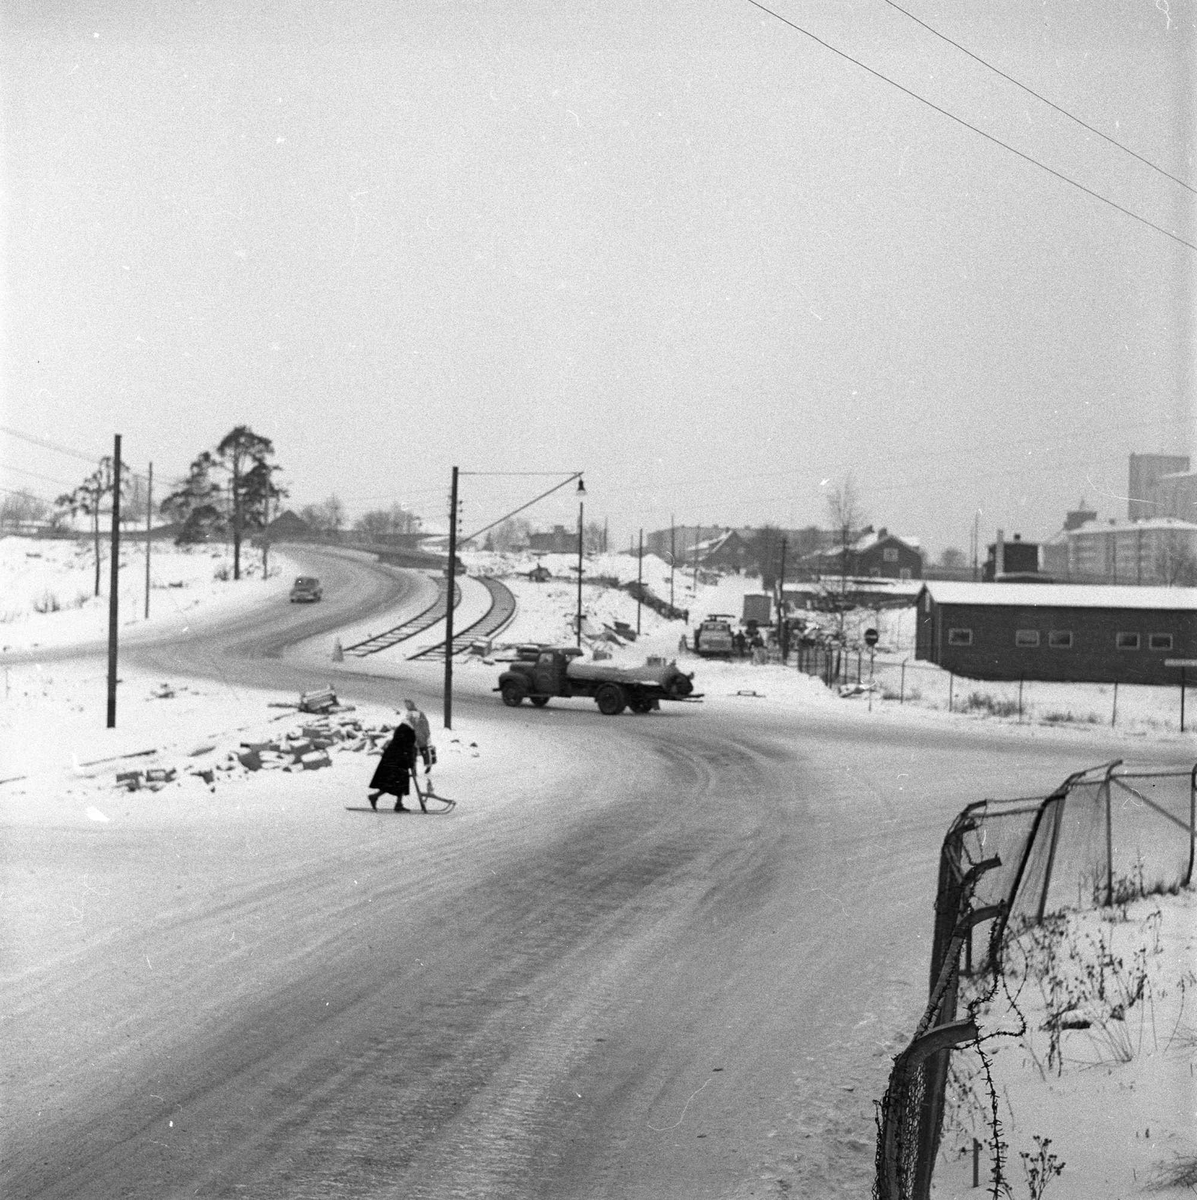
{"x": 512, "y": 693}
{"x": 610, "y": 699}
{"x": 539, "y": 701}
{"x": 680, "y": 686}
{"x": 640, "y": 704}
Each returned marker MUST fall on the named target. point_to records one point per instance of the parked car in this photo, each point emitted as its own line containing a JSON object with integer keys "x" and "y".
{"x": 306, "y": 589}
{"x": 713, "y": 637}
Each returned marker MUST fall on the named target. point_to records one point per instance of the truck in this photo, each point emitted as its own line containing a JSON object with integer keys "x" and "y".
{"x": 713, "y": 636}
{"x": 758, "y": 607}
{"x": 542, "y": 672}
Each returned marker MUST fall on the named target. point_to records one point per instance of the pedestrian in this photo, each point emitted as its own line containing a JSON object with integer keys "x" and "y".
{"x": 392, "y": 776}
{"x": 419, "y": 724}
{"x": 741, "y": 643}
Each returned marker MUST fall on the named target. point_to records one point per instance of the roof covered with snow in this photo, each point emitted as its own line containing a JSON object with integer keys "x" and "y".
{"x": 1062, "y": 595}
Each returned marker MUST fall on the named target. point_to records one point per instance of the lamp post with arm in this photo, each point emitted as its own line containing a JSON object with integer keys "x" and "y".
{"x": 581, "y": 506}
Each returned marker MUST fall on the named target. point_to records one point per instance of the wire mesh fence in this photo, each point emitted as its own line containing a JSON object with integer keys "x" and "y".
{"x": 1105, "y": 836}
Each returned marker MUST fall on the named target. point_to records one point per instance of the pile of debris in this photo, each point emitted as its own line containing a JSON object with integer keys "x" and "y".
{"x": 304, "y": 748}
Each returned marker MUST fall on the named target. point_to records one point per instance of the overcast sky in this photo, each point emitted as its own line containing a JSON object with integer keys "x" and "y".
{"x": 681, "y": 246}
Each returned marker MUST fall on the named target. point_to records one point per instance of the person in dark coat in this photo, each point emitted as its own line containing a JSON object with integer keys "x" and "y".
{"x": 392, "y": 776}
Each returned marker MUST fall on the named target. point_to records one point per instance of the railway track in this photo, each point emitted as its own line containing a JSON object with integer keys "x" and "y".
{"x": 500, "y": 612}
{"x": 405, "y": 629}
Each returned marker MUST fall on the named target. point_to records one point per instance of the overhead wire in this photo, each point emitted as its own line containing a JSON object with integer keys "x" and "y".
{"x": 1043, "y": 99}
{"x": 974, "y": 128}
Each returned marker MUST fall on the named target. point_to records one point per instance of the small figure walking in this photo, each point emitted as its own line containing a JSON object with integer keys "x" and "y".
{"x": 392, "y": 776}
{"x": 419, "y": 723}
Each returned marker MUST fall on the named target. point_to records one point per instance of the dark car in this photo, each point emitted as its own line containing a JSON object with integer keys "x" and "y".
{"x": 306, "y": 589}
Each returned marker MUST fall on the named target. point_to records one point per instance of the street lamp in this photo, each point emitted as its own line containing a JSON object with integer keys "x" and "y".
{"x": 581, "y": 506}
{"x": 453, "y": 519}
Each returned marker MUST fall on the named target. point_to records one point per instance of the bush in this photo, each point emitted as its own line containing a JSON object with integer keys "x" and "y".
{"x": 223, "y": 573}
{"x": 984, "y": 702}
{"x": 47, "y": 602}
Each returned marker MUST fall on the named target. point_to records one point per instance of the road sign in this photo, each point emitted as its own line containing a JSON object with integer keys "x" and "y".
{"x": 870, "y": 637}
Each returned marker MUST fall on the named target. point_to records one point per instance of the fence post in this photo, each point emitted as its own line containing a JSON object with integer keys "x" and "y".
{"x": 951, "y": 686}
{"x": 1020, "y": 699}
{"x": 902, "y": 688}
{"x": 1182, "y": 699}
{"x": 1114, "y": 716}
{"x": 1109, "y": 839}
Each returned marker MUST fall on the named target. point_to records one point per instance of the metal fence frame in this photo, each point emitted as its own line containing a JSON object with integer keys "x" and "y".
{"x": 973, "y": 891}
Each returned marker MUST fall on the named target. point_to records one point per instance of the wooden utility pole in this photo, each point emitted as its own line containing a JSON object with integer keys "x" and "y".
{"x": 114, "y": 579}
{"x": 149, "y": 526}
{"x": 449, "y": 602}
{"x": 672, "y": 555}
{"x": 639, "y": 581}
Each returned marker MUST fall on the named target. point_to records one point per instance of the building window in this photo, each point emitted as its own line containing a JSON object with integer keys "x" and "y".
{"x": 1026, "y": 637}
{"x": 1160, "y": 641}
{"x": 1060, "y": 639}
{"x": 1126, "y": 641}
{"x": 904, "y": 573}
{"x": 960, "y": 637}
{"x": 890, "y": 553}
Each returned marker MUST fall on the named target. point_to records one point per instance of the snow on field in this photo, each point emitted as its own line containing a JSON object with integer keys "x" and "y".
{"x": 47, "y": 588}
{"x": 1068, "y": 1085}
{"x": 1092, "y": 1043}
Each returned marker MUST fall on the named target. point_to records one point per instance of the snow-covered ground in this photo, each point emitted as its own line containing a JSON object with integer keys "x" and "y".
{"x": 57, "y": 763}
{"x": 48, "y": 595}
{"x": 1091, "y": 1045}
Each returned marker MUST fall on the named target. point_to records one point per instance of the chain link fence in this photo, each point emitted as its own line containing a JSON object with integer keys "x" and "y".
{"x": 1105, "y": 836}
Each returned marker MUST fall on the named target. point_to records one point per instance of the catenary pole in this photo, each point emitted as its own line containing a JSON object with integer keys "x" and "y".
{"x": 581, "y": 505}
{"x": 114, "y": 579}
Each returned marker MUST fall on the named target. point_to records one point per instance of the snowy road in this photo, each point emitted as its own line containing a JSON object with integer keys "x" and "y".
{"x": 662, "y": 957}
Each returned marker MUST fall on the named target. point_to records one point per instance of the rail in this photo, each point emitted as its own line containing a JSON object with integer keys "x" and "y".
{"x": 497, "y": 616}
{"x": 424, "y": 619}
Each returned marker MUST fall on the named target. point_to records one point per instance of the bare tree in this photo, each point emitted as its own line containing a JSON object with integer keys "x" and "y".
{"x": 382, "y": 522}
{"x": 88, "y": 499}
{"x": 1175, "y": 561}
{"x": 511, "y": 534}
{"x": 953, "y": 559}
{"x": 22, "y": 508}
{"x": 326, "y": 517}
{"x": 847, "y": 516}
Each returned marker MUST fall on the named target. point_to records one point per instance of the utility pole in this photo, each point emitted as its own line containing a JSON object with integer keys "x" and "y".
{"x": 581, "y": 506}
{"x": 672, "y": 555}
{"x": 114, "y": 579}
{"x": 783, "y": 633}
{"x": 149, "y": 527}
{"x": 449, "y": 602}
{"x": 639, "y": 581}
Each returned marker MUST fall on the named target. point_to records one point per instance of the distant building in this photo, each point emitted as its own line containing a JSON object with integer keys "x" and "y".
{"x": 1012, "y": 561}
{"x": 880, "y": 554}
{"x": 1145, "y": 496}
{"x": 1159, "y": 550}
{"x": 560, "y": 541}
{"x": 731, "y": 551}
{"x": 288, "y": 527}
{"x": 1057, "y": 631}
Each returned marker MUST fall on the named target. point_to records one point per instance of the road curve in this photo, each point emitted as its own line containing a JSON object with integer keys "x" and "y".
{"x": 676, "y": 966}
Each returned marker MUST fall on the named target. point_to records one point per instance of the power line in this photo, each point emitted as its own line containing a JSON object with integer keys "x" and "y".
{"x": 1042, "y": 99}
{"x": 961, "y": 121}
